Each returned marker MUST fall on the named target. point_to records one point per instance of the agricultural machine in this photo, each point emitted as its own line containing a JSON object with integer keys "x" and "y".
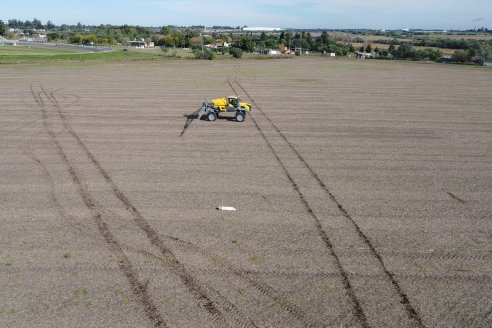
{"x": 211, "y": 109}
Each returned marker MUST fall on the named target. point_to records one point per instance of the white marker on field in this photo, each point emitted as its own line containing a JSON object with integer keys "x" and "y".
{"x": 226, "y": 208}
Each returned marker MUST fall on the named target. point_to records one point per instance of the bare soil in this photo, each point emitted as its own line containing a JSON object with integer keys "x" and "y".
{"x": 362, "y": 189}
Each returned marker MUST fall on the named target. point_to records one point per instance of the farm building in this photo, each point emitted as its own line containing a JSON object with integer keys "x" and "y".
{"x": 262, "y": 29}
{"x": 218, "y": 45}
{"x": 364, "y": 55}
{"x": 139, "y": 44}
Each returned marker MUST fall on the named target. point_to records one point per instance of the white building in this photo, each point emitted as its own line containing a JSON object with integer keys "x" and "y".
{"x": 262, "y": 29}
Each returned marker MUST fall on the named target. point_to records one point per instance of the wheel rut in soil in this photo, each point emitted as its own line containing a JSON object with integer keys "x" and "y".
{"x": 138, "y": 289}
{"x": 356, "y": 307}
{"x": 167, "y": 258}
{"x": 223, "y": 265}
{"x": 358, "y": 311}
{"x": 251, "y": 279}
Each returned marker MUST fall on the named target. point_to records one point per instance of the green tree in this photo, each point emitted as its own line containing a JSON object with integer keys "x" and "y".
{"x": 36, "y": 23}
{"x": 166, "y": 30}
{"x": 207, "y": 39}
{"x": 391, "y": 48}
{"x": 14, "y": 23}
{"x": 28, "y": 24}
{"x": 309, "y": 39}
{"x": 271, "y": 43}
{"x": 325, "y": 38}
{"x": 3, "y": 29}
{"x": 405, "y": 51}
{"x": 52, "y": 36}
{"x": 300, "y": 43}
{"x": 281, "y": 38}
{"x": 246, "y": 43}
{"x": 288, "y": 38}
{"x": 50, "y": 25}
{"x": 168, "y": 41}
{"x": 369, "y": 48}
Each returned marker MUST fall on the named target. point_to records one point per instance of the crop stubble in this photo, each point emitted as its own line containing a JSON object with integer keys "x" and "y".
{"x": 356, "y": 146}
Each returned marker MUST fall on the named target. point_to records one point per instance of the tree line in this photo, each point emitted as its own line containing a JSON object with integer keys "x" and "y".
{"x": 466, "y": 50}
{"x": 172, "y": 36}
{"x": 34, "y": 24}
{"x": 442, "y": 43}
{"x": 187, "y": 37}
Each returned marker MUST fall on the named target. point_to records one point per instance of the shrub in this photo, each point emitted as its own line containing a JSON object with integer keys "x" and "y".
{"x": 461, "y": 56}
{"x": 236, "y": 52}
{"x": 208, "y": 54}
{"x": 205, "y": 54}
{"x": 198, "y": 53}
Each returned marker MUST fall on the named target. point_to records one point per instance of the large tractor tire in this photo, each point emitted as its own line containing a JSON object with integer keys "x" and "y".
{"x": 240, "y": 117}
{"x": 211, "y": 116}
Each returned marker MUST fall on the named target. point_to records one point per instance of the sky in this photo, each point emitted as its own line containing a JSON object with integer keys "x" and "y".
{"x": 330, "y": 14}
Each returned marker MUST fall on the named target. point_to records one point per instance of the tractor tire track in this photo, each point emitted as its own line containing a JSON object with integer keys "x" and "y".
{"x": 357, "y": 310}
{"x": 223, "y": 266}
{"x": 16, "y": 121}
{"x": 439, "y": 256}
{"x": 411, "y": 311}
{"x": 410, "y": 278}
{"x": 456, "y": 197}
{"x": 228, "y": 307}
{"x": 195, "y": 288}
{"x": 51, "y": 182}
{"x": 232, "y": 311}
{"x": 124, "y": 264}
{"x": 247, "y": 276}
{"x": 18, "y": 128}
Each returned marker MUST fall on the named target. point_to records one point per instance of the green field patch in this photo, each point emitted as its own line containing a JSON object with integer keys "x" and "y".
{"x": 37, "y": 51}
{"x": 23, "y": 54}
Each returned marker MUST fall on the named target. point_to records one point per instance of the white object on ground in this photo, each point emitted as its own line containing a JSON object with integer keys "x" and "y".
{"x": 226, "y": 208}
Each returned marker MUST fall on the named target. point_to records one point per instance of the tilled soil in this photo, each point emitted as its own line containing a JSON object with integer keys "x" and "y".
{"x": 362, "y": 191}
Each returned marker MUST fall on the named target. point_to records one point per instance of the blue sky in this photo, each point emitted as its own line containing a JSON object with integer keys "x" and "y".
{"x": 376, "y": 14}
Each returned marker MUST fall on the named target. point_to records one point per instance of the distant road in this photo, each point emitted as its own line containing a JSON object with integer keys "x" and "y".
{"x": 81, "y": 48}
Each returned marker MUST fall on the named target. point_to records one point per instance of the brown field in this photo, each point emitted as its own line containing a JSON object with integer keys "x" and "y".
{"x": 371, "y": 38}
{"x": 477, "y": 36}
{"x": 362, "y": 188}
{"x": 382, "y": 46}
